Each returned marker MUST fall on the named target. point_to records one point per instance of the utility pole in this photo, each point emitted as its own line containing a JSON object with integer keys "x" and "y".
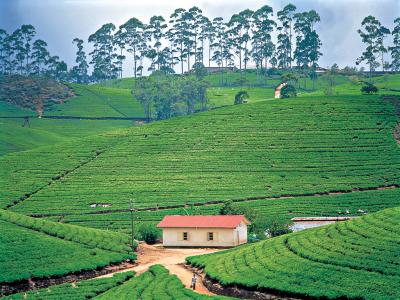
{"x": 132, "y": 234}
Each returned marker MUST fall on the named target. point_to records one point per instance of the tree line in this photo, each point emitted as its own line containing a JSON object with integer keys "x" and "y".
{"x": 188, "y": 39}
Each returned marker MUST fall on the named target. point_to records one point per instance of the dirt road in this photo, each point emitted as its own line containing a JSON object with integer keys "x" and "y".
{"x": 172, "y": 259}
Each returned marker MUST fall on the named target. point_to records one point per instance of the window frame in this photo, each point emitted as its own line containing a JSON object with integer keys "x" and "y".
{"x": 210, "y": 236}
{"x": 185, "y": 236}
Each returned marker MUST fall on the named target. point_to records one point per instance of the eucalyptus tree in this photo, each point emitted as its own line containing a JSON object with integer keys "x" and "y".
{"x": 285, "y": 36}
{"x": 156, "y": 30}
{"x": 3, "y": 50}
{"x": 206, "y": 33}
{"x": 372, "y": 34}
{"x": 210, "y": 34}
{"x": 240, "y": 26}
{"x": 195, "y": 23}
{"x": 188, "y": 40}
{"x": 135, "y": 40}
{"x": 26, "y": 34}
{"x": 177, "y": 34}
{"x": 40, "y": 57}
{"x": 395, "y": 49}
{"x": 80, "y": 70}
{"x": 103, "y": 54}
{"x": 119, "y": 41}
{"x": 308, "y": 42}
{"x": 263, "y": 47}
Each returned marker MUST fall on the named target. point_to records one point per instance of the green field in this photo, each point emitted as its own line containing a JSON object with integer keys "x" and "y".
{"x": 82, "y": 290}
{"x": 154, "y": 284}
{"x": 325, "y": 262}
{"x": 35, "y": 248}
{"x": 269, "y": 148}
{"x": 91, "y": 101}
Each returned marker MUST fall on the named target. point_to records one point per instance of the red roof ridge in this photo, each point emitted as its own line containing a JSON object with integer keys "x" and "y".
{"x": 210, "y": 221}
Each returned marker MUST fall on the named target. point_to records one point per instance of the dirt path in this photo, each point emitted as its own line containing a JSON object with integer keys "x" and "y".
{"x": 172, "y": 259}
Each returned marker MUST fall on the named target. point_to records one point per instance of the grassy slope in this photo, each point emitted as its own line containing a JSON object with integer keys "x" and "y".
{"x": 156, "y": 283}
{"x": 82, "y": 290}
{"x": 35, "y": 248}
{"x": 268, "y": 148}
{"x": 92, "y": 101}
{"x": 353, "y": 259}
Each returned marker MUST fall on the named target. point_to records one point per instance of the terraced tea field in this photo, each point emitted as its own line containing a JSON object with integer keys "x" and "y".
{"x": 91, "y": 101}
{"x": 266, "y": 149}
{"x": 82, "y": 290}
{"x": 357, "y": 203}
{"x": 35, "y": 248}
{"x": 154, "y": 284}
{"x": 328, "y": 261}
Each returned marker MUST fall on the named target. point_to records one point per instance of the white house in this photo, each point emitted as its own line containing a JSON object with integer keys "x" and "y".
{"x": 204, "y": 231}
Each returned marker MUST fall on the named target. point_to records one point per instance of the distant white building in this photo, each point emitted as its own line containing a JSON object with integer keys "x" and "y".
{"x": 204, "y": 231}
{"x": 311, "y": 222}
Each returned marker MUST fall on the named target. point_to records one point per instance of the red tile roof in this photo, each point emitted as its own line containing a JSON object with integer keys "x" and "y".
{"x": 202, "y": 221}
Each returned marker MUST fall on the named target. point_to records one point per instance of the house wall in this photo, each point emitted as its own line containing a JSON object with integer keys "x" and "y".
{"x": 172, "y": 237}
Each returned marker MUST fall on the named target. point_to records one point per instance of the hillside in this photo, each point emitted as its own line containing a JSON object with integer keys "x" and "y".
{"x": 356, "y": 259}
{"x": 156, "y": 283}
{"x": 88, "y": 102}
{"x": 35, "y": 248}
{"x": 82, "y": 290}
{"x": 267, "y": 149}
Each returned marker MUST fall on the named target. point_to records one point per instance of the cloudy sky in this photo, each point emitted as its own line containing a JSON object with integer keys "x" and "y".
{"x": 59, "y": 21}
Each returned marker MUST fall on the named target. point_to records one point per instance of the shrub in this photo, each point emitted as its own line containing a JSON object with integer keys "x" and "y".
{"x": 149, "y": 233}
{"x": 288, "y": 91}
{"x": 240, "y": 97}
{"x": 369, "y": 88}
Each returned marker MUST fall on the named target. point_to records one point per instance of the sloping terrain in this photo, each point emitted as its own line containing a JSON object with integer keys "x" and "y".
{"x": 357, "y": 259}
{"x": 16, "y": 134}
{"x": 35, "y": 248}
{"x": 156, "y": 283}
{"x": 267, "y": 149}
{"x": 82, "y": 290}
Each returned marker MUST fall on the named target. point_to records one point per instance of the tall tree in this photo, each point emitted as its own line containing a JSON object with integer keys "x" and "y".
{"x": 156, "y": 30}
{"x": 372, "y": 34}
{"x": 40, "y": 57}
{"x": 395, "y": 49}
{"x": 135, "y": 39}
{"x": 308, "y": 43}
{"x": 240, "y": 27}
{"x": 177, "y": 34}
{"x": 103, "y": 54}
{"x": 263, "y": 47}
{"x": 120, "y": 41}
{"x": 285, "y": 36}
{"x": 3, "y": 50}
{"x": 80, "y": 70}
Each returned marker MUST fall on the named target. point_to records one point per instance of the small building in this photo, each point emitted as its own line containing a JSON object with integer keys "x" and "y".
{"x": 311, "y": 222}
{"x": 204, "y": 231}
{"x": 278, "y": 90}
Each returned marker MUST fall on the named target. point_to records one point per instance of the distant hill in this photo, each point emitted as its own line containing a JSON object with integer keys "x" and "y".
{"x": 357, "y": 259}
{"x": 34, "y": 93}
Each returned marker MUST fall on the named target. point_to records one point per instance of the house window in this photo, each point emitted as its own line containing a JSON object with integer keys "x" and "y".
{"x": 210, "y": 236}
{"x": 185, "y": 236}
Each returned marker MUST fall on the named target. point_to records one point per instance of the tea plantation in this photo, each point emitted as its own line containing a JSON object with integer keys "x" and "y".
{"x": 82, "y": 290}
{"x": 154, "y": 284}
{"x": 265, "y": 149}
{"x": 357, "y": 259}
{"x": 35, "y": 248}
{"x": 90, "y": 101}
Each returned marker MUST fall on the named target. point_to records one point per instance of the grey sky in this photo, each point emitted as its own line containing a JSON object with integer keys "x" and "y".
{"x": 59, "y": 21}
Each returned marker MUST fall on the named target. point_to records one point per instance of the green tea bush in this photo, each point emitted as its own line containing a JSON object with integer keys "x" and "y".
{"x": 356, "y": 259}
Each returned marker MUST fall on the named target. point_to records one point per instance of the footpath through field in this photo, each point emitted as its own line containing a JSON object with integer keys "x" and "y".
{"x": 172, "y": 259}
